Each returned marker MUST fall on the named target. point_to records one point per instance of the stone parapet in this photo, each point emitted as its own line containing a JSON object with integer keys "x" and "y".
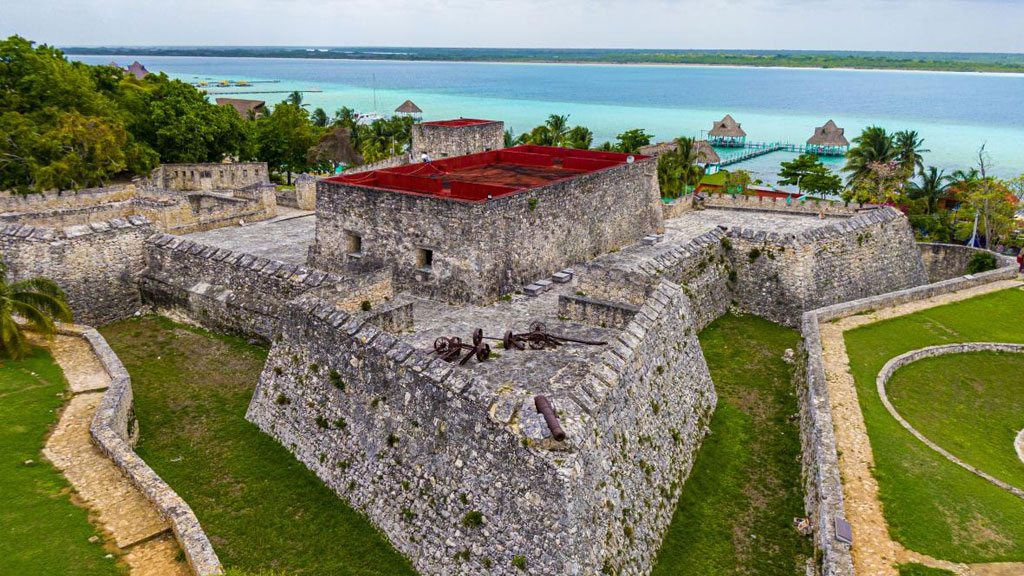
{"x": 945, "y": 261}
{"x": 241, "y": 293}
{"x": 95, "y": 264}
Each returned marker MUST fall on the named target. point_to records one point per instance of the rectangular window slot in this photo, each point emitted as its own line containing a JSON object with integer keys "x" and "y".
{"x": 424, "y": 259}
{"x": 355, "y": 244}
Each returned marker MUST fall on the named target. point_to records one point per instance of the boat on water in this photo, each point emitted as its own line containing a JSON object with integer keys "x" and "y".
{"x": 370, "y": 118}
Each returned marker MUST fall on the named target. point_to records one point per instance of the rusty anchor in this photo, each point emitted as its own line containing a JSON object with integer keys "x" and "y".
{"x": 449, "y": 349}
{"x": 544, "y": 408}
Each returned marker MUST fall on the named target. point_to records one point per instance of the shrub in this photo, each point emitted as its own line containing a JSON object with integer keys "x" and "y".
{"x": 365, "y": 305}
{"x": 392, "y": 440}
{"x": 754, "y": 254}
{"x": 336, "y": 380}
{"x": 519, "y": 562}
{"x": 321, "y": 422}
{"x": 981, "y": 262}
{"x": 282, "y": 400}
{"x": 473, "y": 519}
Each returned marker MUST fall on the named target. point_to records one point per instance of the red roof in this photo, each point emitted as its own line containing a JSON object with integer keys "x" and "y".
{"x": 458, "y": 122}
{"x": 487, "y": 175}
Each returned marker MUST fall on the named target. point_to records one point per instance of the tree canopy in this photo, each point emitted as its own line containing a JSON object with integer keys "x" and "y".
{"x": 808, "y": 173}
{"x": 66, "y": 124}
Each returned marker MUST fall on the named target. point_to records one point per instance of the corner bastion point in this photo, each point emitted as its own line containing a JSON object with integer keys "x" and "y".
{"x": 452, "y": 461}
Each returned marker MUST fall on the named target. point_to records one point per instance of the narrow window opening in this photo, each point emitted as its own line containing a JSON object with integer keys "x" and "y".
{"x": 355, "y": 244}
{"x": 424, "y": 259}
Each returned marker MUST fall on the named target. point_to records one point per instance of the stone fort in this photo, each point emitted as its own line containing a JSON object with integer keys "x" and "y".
{"x": 560, "y": 429}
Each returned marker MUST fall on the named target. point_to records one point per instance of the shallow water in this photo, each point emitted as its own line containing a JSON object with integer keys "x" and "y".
{"x": 954, "y": 112}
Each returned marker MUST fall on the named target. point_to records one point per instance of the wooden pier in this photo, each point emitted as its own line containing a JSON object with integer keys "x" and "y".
{"x": 755, "y": 149}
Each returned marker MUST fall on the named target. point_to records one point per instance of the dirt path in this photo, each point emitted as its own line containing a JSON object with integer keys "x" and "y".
{"x": 145, "y": 539}
{"x": 875, "y": 553}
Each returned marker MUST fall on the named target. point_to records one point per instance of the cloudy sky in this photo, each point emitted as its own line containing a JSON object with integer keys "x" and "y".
{"x": 915, "y": 25}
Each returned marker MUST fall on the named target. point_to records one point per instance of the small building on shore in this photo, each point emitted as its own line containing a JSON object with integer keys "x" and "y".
{"x": 408, "y": 108}
{"x": 828, "y": 140}
{"x": 138, "y": 70}
{"x": 247, "y": 109}
{"x": 727, "y": 133}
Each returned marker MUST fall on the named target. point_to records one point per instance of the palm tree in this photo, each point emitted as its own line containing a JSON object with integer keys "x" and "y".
{"x": 690, "y": 172}
{"x": 933, "y": 187}
{"x": 909, "y": 150}
{"x": 558, "y": 126}
{"x": 873, "y": 146}
{"x": 295, "y": 98}
{"x": 579, "y": 137}
{"x": 38, "y": 301}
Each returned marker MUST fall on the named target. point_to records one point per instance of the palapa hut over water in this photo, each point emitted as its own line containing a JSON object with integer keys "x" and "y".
{"x": 828, "y": 140}
{"x": 247, "y": 109}
{"x": 727, "y": 133}
{"x": 409, "y": 108}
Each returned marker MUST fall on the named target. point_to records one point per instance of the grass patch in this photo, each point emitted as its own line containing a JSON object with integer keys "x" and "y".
{"x": 970, "y": 404}
{"x": 922, "y": 570}
{"x": 932, "y": 505}
{"x": 261, "y": 508}
{"x": 736, "y": 510}
{"x": 41, "y": 531}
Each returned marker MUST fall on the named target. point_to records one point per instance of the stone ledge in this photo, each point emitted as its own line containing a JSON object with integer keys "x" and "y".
{"x": 110, "y": 432}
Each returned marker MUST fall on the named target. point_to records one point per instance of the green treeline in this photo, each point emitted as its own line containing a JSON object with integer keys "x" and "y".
{"x": 67, "y": 125}
{"x": 939, "y": 61}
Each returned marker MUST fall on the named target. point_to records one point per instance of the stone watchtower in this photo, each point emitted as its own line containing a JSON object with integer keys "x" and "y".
{"x": 447, "y": 138}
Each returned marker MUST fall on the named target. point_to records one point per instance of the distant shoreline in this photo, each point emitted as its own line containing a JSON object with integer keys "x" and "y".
{"x": 811, "y": 61}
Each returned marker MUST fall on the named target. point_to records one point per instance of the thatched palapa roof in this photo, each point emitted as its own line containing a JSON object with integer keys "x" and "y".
{"x": 705, "y": 153}
{"x": 727, "y": 128}
{"x": 138, "y": 70}
{"x": 828, "y": 135}
{"x": 703, "y": 150}
{"x": 408, "y": 107}
{"x": 245, "y": 108}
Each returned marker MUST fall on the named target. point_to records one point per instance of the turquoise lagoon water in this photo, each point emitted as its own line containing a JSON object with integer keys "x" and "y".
{"x": 954, "y": 112}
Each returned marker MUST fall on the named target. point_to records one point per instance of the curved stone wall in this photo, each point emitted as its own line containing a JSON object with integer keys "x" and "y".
{"x": 823, "y": 483}
{"x": 115, "y": 430}
{"x": 902, "y": 360}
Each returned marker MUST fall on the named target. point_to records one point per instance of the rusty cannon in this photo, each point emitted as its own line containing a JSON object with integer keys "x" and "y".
{"x": 449, "y": 349}
{"x": 550, "y": 418}
{"x": 538, "y": 338}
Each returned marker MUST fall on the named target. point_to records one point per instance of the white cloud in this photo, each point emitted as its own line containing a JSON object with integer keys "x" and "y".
{"x": 921, "y": 25}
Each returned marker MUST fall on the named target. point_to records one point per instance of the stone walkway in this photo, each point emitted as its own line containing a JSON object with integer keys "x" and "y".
{"x": 286, "y": 238}
{"x": 875, "y": 552}
{"x": 133, "y": 523}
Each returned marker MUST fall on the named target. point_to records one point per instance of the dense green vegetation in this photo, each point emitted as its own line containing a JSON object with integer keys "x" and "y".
{"x": 262, "y": 509}
{"x": 761, "y": 58}
{"x": 68, "y": 125}
{"x": 933, "y": 506}
{"x": 808, "y": 173}
{"x": 970, "y": 404}
{"x": 737, "y": 507}
{"x": 41, "y": 531}
{"x": 889, "y": 168}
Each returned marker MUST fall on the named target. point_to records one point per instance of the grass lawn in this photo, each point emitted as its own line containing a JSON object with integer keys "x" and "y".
{"x": 921, "y": 570}
{"x": 41, "y": 531}
{"x": 970, "y": 404}
{"x": 736, "y": 511}
{"x": 932, "y": 505}
{"x": 261, "y": 508}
